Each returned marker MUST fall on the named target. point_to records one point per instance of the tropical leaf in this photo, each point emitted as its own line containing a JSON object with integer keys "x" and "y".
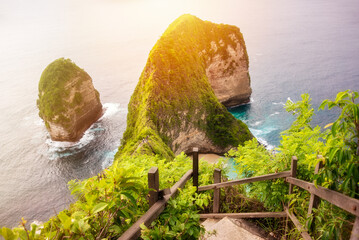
{"x": 99, "y": 207}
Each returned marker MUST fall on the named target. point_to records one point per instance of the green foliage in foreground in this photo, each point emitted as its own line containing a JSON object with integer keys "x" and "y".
{"x": 338, "y": 148}
{"x": 108, "y": 204}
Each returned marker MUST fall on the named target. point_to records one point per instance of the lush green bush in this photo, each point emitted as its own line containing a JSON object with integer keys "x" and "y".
{"x": 223, "y": 130}
{"x": 111, "y": 202}
{"x": 340, "y": 172}
{"x": 108, "y": 204}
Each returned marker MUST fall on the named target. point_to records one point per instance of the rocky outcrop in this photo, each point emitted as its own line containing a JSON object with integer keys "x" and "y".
{"x": 174, "y": 107}
{"x": 68, "y": 102}
{"x": 227, "y": 72}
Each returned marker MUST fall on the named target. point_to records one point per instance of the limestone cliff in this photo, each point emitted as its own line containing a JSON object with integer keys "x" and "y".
{"x": 227, "y": 71}
{"x": 68, "y": 102}
{"x": 174, "y": 107}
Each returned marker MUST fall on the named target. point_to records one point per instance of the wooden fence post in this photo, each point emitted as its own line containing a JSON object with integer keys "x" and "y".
{"x": 153, "y": 183}
{"x": 217, "y": 191}
{"x": 314, "y": 200}
{"x": 293, "y": 173}
{"x": 195, "y": 167}
{"x": 355, "y": 230}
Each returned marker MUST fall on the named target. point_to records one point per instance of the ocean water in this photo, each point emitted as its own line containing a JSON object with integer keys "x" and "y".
{"x": 294, "y": 47}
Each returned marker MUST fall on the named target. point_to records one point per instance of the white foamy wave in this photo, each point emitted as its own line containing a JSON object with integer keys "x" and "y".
{"x": 259, "y": 133}
{"x": 110, "y": 109}
{"x": 263, "y": 131}
{"x": 86, "y": 139}
{"x": 57, "y": 149}
{"x": 289, "y": 99}
{"x": 265, "y": 143}
{"x": 279, "y": 103}
{"x": 255, "y": 132}
{"x": 108, "y": 159}
{"x": 256, "y": 123}
{"x": 273, "y": 114}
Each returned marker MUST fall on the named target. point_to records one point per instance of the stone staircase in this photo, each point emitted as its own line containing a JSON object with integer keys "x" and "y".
{"x": 231, "y": 229}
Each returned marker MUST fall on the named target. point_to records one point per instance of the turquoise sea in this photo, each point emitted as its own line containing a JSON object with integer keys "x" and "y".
{"x": 294, "y": 47}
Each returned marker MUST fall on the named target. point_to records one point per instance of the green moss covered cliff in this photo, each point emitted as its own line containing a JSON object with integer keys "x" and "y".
{"x": 174, "y": 107}
{"x": 68, "y": 103}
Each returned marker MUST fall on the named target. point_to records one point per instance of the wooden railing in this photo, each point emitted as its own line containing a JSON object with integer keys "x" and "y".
{"x": 159, "y": 198}
{"x": 346, "y": 203}
{"x": 217, "y": 185}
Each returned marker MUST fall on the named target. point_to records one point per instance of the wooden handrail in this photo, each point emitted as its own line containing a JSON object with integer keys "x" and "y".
{"x": 297, "y": 224}
{"x": 245, "y": 180}
{"x": 349, "y": 204}
{"x": 244, "y": 215}
{"x": 293, "y": 173}
{"x": 134, "y": 231}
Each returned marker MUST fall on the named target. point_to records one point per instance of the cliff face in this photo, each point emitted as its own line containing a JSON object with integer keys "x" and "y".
{"x": 68, "y": 102}
{"x": 227, "y": 71}
{"x": 174, "y": 107}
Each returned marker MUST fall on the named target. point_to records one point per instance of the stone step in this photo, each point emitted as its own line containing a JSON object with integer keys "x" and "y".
{"x": 229, "y": 229}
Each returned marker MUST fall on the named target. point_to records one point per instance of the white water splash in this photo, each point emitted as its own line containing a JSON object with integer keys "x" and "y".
{"x": 256, "y": 123}
{"x": 57, "y": 149}
{"x": 265, "y": 143}
{"x": 110, "y": 109}
{"x": 109, "y": 159}
{"x": 273, "y": 114}
{"x": 279, "y": 103}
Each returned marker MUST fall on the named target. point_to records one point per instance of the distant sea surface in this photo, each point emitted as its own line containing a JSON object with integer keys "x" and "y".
{"x": 294, "y": 47}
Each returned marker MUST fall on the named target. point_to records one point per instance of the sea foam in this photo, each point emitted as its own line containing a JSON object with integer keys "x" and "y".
{"x": 110, "y": 109}
{"x": 273, "y": 114}
{"x": 63, "y": 149}
{"x": 108, "y": 159}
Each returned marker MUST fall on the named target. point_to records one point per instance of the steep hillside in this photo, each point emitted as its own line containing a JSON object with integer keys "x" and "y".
{"x": 174, "y": 107}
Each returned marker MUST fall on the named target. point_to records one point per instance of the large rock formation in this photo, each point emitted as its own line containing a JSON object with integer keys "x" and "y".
{"x": 174, "y": 108}
{"x": 68, "y": 102}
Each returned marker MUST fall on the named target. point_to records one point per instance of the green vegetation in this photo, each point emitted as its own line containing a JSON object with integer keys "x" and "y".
{"x": 173, "y": 93}
{"x": 217, "y": 129}
{"x": 53, "y": 94}
{"x": 338, "y": 147}
{"x": 111, "y": 202}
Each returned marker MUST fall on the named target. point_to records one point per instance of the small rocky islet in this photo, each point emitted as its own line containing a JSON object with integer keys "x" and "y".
{"x": 68, "y": 102}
